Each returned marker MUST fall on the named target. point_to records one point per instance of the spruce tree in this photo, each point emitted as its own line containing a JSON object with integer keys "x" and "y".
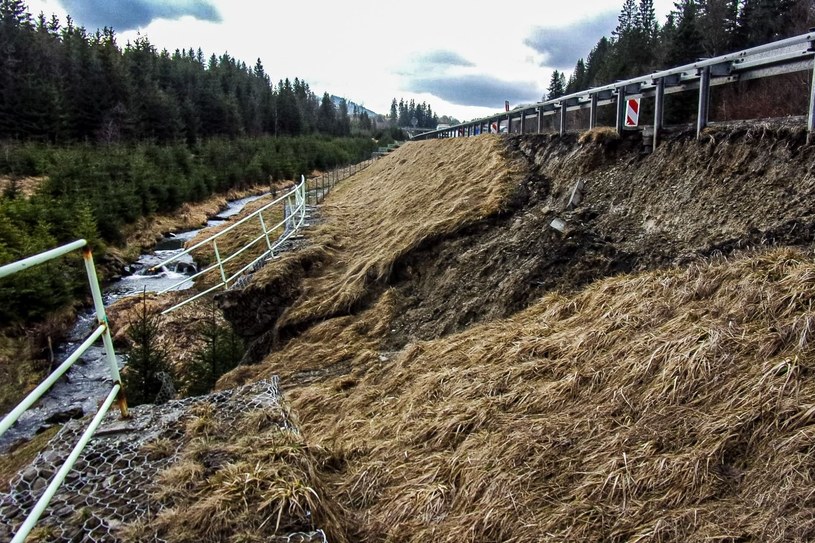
{"x": 146, "y": 360}
{"x": 222, "y": 351}
{"x": 557, "y": 85}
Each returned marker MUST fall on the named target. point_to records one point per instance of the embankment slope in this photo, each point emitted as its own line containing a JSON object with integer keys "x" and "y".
{"x": 645, "y": 375}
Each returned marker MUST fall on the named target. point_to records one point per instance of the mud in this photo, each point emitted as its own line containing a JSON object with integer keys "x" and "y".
{"x": 737, "y": 188}
{"x": 734, "y": 190}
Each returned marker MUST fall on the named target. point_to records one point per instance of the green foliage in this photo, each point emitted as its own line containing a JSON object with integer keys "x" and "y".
{"x": 221, "y": 352}
{"x": 64, "y": 84}
{"x": 29, "y": 227}
{"x": 557, "y": 85}
{"x": 145, "y": 360}
{"x": 404, "y": 113}
{"x": 696, "y": 28}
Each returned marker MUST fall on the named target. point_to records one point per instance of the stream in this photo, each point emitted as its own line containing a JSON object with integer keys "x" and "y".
{"x": 88, "y": 381}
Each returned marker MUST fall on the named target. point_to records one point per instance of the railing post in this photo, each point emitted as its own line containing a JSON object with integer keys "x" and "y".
{"x": 659, "y": 110}
{"x": 704, "y": 101}
{"x": 220, "y": 264}
{"x": 265, "y": 231}
{"x": 102, "y": 318}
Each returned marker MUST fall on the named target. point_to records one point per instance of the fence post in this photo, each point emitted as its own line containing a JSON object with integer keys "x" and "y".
{"x": 704, "y": 101}
{"x": 99, "y": 306}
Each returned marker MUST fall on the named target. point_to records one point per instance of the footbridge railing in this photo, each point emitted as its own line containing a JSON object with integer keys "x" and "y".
{"x": 293, "y": 205}
{"x": 785, "y": 56}
{"x": 116, "y": 393}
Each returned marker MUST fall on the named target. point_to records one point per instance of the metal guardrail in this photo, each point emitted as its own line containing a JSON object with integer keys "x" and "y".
{"x": 785, "y": 56}
{"x": 116, "y": 393}
{"x": 294, "y": 214}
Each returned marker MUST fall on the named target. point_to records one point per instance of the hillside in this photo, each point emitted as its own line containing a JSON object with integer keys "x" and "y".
{"x": 455, "y": 368}
{"x": 644, "y": 376}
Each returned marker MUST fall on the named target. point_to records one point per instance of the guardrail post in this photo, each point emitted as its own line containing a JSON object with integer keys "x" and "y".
{"x": 704, "y": 101}
{"x": 562, "y": 129}
{"x": 659, "y": 110}
{"x": 540, "y": 120}
{"x": 593, "y": 111}
{"x": 102, "y": 318}
{"x": 618, "y": 123}
{"x": 811, "y": 118}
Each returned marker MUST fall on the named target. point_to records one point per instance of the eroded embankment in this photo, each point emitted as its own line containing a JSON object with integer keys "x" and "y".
{"x": 647, "y": 375}
{"x": 390, "y": 231}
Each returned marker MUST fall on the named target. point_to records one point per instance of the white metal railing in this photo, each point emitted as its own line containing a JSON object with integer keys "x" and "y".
{"x": 294, "y": 214}
{"x": 116, "y": 393}
{"x": 789, "y": 55}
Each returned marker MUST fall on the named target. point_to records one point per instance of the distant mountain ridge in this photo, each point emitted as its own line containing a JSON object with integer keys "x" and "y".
{"x": 360, "y": 109}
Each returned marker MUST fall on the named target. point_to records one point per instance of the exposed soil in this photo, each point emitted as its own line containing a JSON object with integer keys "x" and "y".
{"x": 732, "y": 190}
{"x": 645, "y": 374}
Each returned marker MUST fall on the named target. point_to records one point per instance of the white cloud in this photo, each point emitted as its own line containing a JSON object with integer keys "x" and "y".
{"x": 370, "y": 51}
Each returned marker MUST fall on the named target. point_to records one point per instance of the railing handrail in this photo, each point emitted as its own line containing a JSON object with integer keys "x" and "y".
{"x": 116, "y": 392}
{"x": 233, "y": 226}
{"x": 754, "y": 58}
{"x": 295, "y": 205}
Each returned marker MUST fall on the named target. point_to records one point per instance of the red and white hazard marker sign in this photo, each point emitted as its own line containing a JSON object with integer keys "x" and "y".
{"x": 632, "y": 113}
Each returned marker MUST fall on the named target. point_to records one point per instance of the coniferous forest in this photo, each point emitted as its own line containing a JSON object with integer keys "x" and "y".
{"x": 694, "y": 29}
{"x": 118, "y": 132}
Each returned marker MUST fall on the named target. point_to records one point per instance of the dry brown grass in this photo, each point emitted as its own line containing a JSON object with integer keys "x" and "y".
{"x": 11, "y": 462}
{"x": 418, "y": 193}
{"x": 236, "y": 239}
{"x": 146, "y": 231}
{"x": 27, "y": 186}
{"x": 601, "y": 134}
{"x": 257, "y": 484}
{"x": 674, "y": 405}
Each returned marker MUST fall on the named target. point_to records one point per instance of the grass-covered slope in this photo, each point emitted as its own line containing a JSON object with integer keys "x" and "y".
{"x": 423, "y": 192}
{"x": 674, "y": 405}
{"x": 644, "y": 376}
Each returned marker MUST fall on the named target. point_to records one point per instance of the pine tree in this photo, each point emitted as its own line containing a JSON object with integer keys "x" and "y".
{"x": 222, "y": 350}
{"x": 146, "y": 360}
{"x": 557, "y": 85}
{"x": 393, "y": 118}
{"x": 327, "y": 116}
{"x": 343, "y": 121}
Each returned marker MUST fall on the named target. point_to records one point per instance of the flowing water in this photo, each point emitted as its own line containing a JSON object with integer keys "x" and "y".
{"x": 88, "y": 381}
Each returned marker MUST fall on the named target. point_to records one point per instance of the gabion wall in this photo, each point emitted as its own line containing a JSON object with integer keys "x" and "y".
{"x": 111, "y": 483}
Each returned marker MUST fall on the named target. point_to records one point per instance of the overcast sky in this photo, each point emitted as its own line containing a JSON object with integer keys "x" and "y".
{"x": 464, "y": 58}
